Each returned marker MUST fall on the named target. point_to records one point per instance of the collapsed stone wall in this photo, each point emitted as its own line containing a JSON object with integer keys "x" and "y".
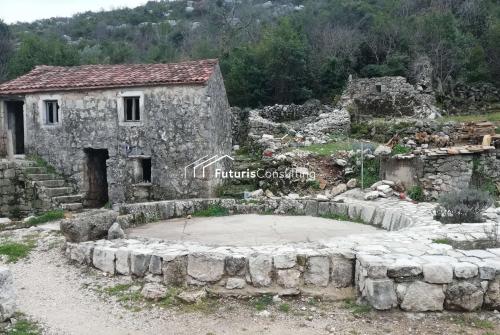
{"x": 472, "y": 99}
{"x": 439, "y": 174}
{"x": 311, "y": 120}
{"x": 387, "y": 96}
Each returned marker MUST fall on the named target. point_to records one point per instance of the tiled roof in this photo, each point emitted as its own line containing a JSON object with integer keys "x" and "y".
{"x": 62, "y": 78}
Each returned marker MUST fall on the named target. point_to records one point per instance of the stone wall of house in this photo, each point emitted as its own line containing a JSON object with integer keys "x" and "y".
{"x": 3, "y": 143}
{"x": 179, "y": 124}
{"x": 387, "y": 96}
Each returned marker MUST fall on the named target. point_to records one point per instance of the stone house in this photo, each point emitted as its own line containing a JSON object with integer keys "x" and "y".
{"x": 121, "y": 133}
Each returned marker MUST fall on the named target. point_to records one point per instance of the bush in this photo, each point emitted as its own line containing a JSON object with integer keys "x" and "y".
{"x": 416, "y": 193}
{"x": 400, "y": 149}
{"x": 212, "y": 210}
{"x": 464, "y": 206}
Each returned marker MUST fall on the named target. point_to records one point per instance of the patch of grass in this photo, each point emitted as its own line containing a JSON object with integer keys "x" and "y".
{"x": 40, "y": 162}
{"x": 371, "y": 171}
{"x": 24, "y": 327}
{"x": 400, "y": 150}
{"x": 314, "y": 184}
{"x": 442, "y": 241}
{"x": 416, "y": 193}
{"x": 46, "y": 217}
{"x": 212, "y": 210}
{"x": 262, "y": 302}
{"x": 284, "y": 307}
{"x": 355, "y": 308}
{"x": 15, "y": 250}
{"x": 329, "y": 148}
{"x": 124, "y": 294}
{"x": 205, "y": 306}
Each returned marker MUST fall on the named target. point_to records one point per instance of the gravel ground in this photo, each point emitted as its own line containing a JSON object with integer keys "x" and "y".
{"x": 66, "y": 299}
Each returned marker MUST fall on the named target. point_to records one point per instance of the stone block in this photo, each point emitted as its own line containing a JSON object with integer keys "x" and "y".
{"x": 404, "y": 268}
{"x": 155, "y": 265}
{"x": 288, "y": 278}
{"x": 342, "y": 272}
{"x": 123, "y": 261}
{"x": 285, "y": 260}
{"x": 438, "y": 273}
{"x": 465, "y": 270}
{"x": 260, "y": 267}
{"x": 317, "y": 271}
{"x": 464, "y": 296}
{"x": 103, "y": 258}
{"x": 235, "y": 283}
{"x": 422, "y": 297}
{"x": 139, "y": 262}
{"x": 380, "y": 293}
{"x": 235, "y": 265}
{"x": 205, "y": 267}
{"x": 175, "y": 270}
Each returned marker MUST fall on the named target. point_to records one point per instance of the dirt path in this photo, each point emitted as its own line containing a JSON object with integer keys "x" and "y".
{"x": 64, "y": 300}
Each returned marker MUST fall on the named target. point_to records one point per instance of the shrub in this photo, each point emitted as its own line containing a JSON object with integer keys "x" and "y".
{"x": 400, "y": 149}
{"x": 416, "y": 193}
{"x": 463, "y": 206}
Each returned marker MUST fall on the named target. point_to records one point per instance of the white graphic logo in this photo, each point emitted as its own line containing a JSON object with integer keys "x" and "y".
{"x": 203, "y": 163}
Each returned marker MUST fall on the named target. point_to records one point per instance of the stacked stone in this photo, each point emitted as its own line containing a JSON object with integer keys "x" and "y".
{"x": 285, "y": 269}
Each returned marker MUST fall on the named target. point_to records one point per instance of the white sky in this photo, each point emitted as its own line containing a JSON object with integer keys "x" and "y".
{"x": 30, "y": 10}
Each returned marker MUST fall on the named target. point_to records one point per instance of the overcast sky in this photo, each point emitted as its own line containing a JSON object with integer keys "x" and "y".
{"x": 30, "y": 10}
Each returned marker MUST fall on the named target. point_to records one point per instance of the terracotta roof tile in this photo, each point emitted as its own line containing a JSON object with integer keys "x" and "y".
{"x": 61, "y": 78}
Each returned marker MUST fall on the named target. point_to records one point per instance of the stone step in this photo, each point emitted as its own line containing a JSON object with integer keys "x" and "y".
{"x": 42, "y": 176}
{"x": 66, "y": 199}
{"x": 56, "y": 191}
{"x": 51, "y": 183}
{"x": 72, "y": 206}
{"x": 34, "y": 170}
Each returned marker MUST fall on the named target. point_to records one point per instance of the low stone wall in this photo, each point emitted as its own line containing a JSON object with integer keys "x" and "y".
{"x": 387, "y": 269}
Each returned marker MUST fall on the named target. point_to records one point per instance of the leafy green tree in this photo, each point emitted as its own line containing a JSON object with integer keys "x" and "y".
{"x": 6, "y": 49}
{"x": 34, "y": 50}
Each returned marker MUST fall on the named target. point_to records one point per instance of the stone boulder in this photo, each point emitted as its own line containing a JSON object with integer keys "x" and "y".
{"x": 421, "y": 297}
{"x": 7, "y": 295}
{"x": 89, "y": 226}
{"x": 115, "y": 232}
{"x": 464, "y": 296}
{"x": 154, "y": 291}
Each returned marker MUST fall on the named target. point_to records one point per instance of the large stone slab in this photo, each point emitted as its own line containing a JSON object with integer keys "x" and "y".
{"x": 90, "y": 226}
{"x": 464, "y": 296}
{"x": 380, "y": 293}
{"x": 260, "y": 269}
{"x": 421, "y": 297}
{"x": 205, "y": 267}
{"x": 438, "y": 273}
{"x": 317, "y": 271}
{"x": 103, "y": 258}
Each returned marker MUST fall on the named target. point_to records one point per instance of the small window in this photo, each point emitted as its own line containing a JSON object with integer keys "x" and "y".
{"x": 146, "y": 170}
{"x": 51, "y": 112}
{"x": 378, "y": 87}
{"x": 132, "y": 109}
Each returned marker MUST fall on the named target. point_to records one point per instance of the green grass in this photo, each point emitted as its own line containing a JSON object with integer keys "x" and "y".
{"x": 400, "y": 150}
{"x": 40, "y": 162}
{"x": 284, "y": 307}
{"x": 371, "y": 170}
{"x": 442, "y": 241}
{"x": 416, "y": 193}
{"x": 329, "y": 148}
{"x": 355, "y": 308}
{"x": 24, "y": 327}
{"x": 262, "y": 302}
{"x": 212, "y": 210}
{"x": 15, "y": 250}
{"x": 46, "y": 217}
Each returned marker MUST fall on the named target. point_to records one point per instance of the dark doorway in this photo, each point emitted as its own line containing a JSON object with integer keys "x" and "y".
{"x": 97, "y": 195}
{"x": 15, "y": 123}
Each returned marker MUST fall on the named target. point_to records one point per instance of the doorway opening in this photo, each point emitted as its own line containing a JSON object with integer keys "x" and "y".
{"x": 97, "y": 195}
{"x": 15, "y": 123}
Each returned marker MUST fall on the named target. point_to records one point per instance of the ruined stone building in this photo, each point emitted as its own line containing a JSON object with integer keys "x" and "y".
{"x": 121, "y": 133}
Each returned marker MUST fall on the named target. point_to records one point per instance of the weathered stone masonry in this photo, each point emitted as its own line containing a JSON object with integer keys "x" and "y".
{"x": 179, "y": 124}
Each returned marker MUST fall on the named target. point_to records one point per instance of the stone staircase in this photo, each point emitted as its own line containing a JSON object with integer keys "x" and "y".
{"x": 51, "y": 189}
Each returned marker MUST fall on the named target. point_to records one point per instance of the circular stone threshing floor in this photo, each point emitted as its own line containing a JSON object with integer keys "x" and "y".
{"x": 249, "y": 229}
